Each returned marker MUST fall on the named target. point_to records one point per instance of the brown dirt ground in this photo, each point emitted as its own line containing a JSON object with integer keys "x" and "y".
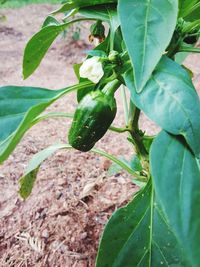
{"x": 73, "y": 196}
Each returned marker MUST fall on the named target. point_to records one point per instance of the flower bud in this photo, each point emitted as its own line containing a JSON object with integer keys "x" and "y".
{"x": 97, "y": 32}
{"x": 92, "y": 69}
{"x": 114, "y": 57}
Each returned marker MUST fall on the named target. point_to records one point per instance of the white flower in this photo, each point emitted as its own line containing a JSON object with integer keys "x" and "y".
{"x": 92, "y": 69}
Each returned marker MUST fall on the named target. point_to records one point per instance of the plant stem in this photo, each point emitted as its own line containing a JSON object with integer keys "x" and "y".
{"x": 120, "y": 163}
{"x": 134, "y": 115}
{"x": 189, "y": 49}
{"x": 51, "y": 115}
{"x": 119, "y": 130}
{"x": 125, "y": 104}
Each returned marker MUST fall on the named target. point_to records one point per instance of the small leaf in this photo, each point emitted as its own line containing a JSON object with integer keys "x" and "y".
{"x": 50, "y": 21}
{"x": 176, "y": 178}
{"x": 147, "y": 28}
{"x": 37, "y": 47}
{"x": 135, "y": 164}
{"x": 26, "y": 182}
{"x": 114, "y": 169}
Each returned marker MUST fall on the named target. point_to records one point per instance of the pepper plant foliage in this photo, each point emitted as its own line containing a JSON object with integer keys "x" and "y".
{"x": 143, "y": 53}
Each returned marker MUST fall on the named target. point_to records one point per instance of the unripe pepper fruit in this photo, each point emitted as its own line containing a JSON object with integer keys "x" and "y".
{"x": 92, "y": 118}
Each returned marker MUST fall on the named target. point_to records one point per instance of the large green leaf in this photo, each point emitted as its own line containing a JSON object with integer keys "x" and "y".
{"x": 169, "y": 99}
{"x": 176, "y": 177}
{"x": 103, "y": 12}
{"x": 19, "y": 106}
{"x": 138, "y": 235}
{"x": 147, "y": 27}
{"x": 69, "y": 5}
{"x": 195, "y": 13}
{"x": 185, "y": 6}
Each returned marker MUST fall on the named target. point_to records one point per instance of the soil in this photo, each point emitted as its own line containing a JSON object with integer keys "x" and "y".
{"x": 60, "y": 224}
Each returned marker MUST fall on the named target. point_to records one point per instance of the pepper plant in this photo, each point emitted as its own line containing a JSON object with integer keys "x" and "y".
{"x": 142, "y": 52}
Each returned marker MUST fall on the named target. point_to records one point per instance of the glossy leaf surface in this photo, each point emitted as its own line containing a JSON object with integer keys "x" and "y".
{"x": 37, "y": 47}
{"x": 176, "y": 176}
{"x": 80, "y": 3}
{"x": 185, "y": 6}
{"x": 28, "y": 179}
{"x": 103, "y": 12}
{"x": 169, "y": 98}
{"x": 147, "y": 28}
{"x": 139, "y": 235}
{"x": 19, "y": 107}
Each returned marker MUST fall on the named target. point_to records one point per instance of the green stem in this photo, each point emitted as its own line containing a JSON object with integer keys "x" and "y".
{"x": 125, "y": 104}
{"x": 134, "y": 115}
{"x": 119, "y": 130}
{"x": 120, "y": 163}
{"x": 189, "y": 49}
{"x": 174, "y": 49}
{"x": 133, "y": 119}
{"x": 111, "y": 87}
{"x": 70, "y": 115}
{"x": 53, "y": 115}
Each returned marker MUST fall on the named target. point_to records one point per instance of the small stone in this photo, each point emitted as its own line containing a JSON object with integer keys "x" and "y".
{"x": 64, "y": 248}
{"x": 45, "y": 233}
{"x": 73, "y": 239}
{"x": 83, "y": 235}
{"x": 58, "y": 195}
{"x": 37, "y": 216}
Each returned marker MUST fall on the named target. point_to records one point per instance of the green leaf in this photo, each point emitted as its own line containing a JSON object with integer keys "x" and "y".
{"x": 114, "y": 169}
{"x": 176, "y": 177}
{"x": 147, "y": 27}
{"x": 27, "y": 181}
{"x": 102, "y": 12}
{"x": 39, "y": 44}
{"x": 134, "y": 164}
{"x": 69, "y": 5}
{"x": 185, "y": 6}
{"x": 195, "y": 14}
{"x": 19, "y": 107}
{"x": 50, "y": 21}
{"x": 139, "y": 235}
{"x": 37, "y": 47}
{"x": 169, "y": 98}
